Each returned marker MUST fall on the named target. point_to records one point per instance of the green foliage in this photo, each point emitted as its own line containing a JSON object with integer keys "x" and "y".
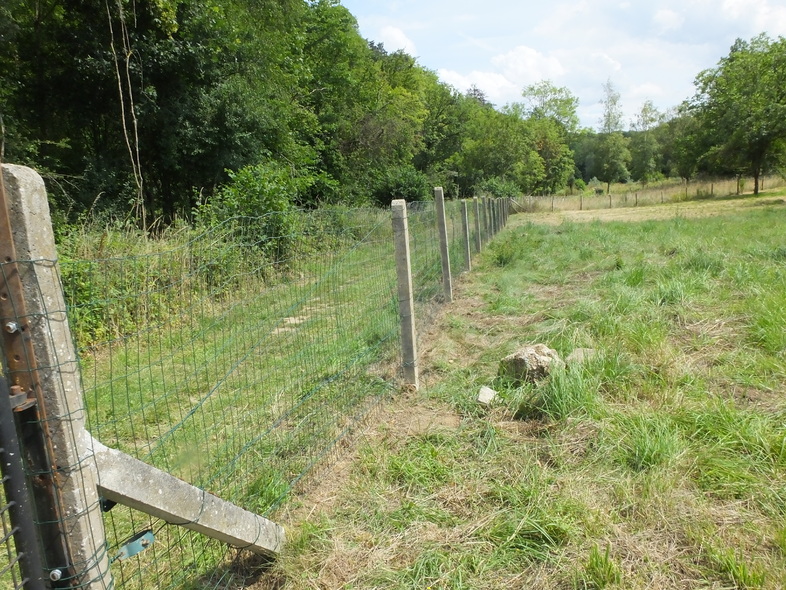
{"x": 741, "y": 108}
{"x": 506, "y": 250}
{"x": 265, "y": 195}
{"x": 401, "y": 183}
{"x": 498, "y": 188}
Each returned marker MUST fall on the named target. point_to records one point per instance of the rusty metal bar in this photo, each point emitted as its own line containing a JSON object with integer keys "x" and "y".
{"x": 17, "y": 493}
{"x": 13, "y": 319}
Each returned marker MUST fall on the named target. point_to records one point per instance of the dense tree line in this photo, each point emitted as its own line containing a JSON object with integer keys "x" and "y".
{"x": 152, "y": 108}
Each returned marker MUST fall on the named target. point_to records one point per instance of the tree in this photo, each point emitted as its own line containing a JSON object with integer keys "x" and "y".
{"x": 644, "y": 147}
{"x": 611, "y": 120}
{"x": 741, "y": 106}
{"x": 611, "y": 158}
{"x": 546, "y": 101}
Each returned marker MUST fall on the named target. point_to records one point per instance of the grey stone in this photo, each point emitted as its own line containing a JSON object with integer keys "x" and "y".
{"x": 530, "y": 364}
{"x": 581, "y": 355}
{"x": 486, "y": 396}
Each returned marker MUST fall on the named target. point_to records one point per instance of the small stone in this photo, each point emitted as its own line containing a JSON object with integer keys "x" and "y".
{"x": 581, "y": 355}
{"x": 486, "y": 396}
{"x": 530, "y": 364}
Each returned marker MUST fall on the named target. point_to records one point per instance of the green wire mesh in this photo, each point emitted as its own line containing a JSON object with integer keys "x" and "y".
{"x": 237, "y": 359}
{"x": 235, "y": 362}
{"x": 10, "y": 574}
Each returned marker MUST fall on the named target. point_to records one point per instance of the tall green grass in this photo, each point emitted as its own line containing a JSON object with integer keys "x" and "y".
{"x": 659, "y": 463}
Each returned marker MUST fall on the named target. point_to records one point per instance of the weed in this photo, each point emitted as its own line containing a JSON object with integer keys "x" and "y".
{"x": 421, "y": 464}
{"x": 642, "y": 442}
{"x": 730, "y": 564}
{"x": 567, "y": 392}
{"x": 600, "y": 570}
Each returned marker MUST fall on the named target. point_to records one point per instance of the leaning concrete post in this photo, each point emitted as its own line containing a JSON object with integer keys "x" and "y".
{"x": 406, "y": 303}
{"x": 442, "y": 228}
{"x": 477, "y": 225}
{"x": 48, "y": 373}
{"x": 465, "y": 226}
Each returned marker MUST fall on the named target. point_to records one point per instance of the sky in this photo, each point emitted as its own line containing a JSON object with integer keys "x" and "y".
{"x": 650, "y": 50}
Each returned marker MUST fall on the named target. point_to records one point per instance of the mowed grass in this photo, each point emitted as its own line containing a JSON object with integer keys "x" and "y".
{"x": 658, "y": 463}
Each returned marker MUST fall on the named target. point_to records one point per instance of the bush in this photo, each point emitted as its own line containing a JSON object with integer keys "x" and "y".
{"x": 404, "y": 182}
{"x": 264, "y": 194}
{"x": 498, "y": 187}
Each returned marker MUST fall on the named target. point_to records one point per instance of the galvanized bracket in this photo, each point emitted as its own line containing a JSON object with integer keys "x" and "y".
{"x": 136, "y": 545}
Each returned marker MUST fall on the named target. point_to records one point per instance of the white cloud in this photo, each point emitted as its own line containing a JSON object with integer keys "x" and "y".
{"x": 667, "y": 20}
{"x": 497, "y": 88}
{"x": 763, "y": 15}
{"x": 605, "y": 61}
{"x": 394, "y": 39}
{"x": 524, "y": 65}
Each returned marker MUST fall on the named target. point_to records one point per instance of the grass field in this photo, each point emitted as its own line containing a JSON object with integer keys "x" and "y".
{"x": 661, "y": 463}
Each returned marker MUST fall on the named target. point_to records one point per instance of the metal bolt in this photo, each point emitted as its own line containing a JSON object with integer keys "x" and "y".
{"x": 55, "y": 575}
{"x": 11, "y": 327}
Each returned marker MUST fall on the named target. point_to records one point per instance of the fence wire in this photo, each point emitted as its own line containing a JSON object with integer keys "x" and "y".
{"x": 234, "y": 361}
{"x": 10, "y": 574}
{"x": 646, "y": 195}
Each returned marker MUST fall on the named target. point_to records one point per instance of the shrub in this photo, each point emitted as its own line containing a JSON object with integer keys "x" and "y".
{"x": 265, "y": 193}
{"x": 404, "y": 182}
{"x": 498, "y": 187}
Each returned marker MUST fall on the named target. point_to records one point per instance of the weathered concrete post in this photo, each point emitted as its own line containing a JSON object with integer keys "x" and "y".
{"x": 489, "y": 224}
{"x": 49, "y": 374}
{"x": 478, "y": 244}
{"x": 485, "y": 209}
{"x": 442, "y": 228}
{"x": 465, "y": 227}
{"x": 406, "y": 303}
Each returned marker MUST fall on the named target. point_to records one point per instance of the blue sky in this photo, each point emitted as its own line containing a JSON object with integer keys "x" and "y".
{"x": 651, "y": 50}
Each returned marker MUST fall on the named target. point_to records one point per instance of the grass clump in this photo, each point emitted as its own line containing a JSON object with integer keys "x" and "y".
{"x": 643, "y": 442}
{"x": 730, "y": 565}
{"x": 600, "y": 570}
{"x": 567, "y": 392}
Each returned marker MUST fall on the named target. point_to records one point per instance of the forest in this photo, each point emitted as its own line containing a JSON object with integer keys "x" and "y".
{"x": 156, "y": 109}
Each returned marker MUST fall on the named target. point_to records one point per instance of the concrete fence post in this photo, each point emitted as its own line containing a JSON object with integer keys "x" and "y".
{"x": 406, "y": 302}
{"x": 465, "y": 228}
{"x": 45, "y": 380}
{"x": 442, "y": 228}
{"x": 478, "y": 244}
{"x": 484, "y": 219}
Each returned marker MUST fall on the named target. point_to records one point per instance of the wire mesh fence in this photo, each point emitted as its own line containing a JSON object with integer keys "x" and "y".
{"x": 647, "y": 195}
{"x": 10, "y": 574}
{"x": 234, "y": 361}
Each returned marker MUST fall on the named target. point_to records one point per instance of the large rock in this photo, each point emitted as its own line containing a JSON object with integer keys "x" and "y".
{"x": 530, "y": 364}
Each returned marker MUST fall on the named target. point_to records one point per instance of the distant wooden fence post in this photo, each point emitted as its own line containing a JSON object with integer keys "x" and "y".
{"x": 442, "y": 228}
{"x": 406, "y": 302}
{"x": 477, "y": 225}
{"x": 465, "y": 227}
